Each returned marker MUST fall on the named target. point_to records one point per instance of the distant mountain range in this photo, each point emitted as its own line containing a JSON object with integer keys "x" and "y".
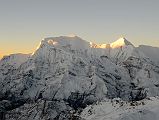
{"x": 68, "y": 78}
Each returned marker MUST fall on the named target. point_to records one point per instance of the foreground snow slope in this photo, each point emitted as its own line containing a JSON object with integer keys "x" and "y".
{"x": 117, "y": 109}
{"x": 67, "y": 74}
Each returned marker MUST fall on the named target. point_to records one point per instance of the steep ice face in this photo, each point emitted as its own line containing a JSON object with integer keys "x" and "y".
{"x": 121, "y": 50}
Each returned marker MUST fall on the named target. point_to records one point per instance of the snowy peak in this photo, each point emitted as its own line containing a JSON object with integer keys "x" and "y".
{"x": 76, "y": 43}
{"x": 14, "y": 59}
{"x": 151, "y": 52}
{"x": 120, "y": 42}
{"x": 73, "y": 42}
{"x": 68, "y": 74}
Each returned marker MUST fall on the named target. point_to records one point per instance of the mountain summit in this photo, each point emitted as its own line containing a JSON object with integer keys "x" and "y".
{"x": 77, "y": 43}
{"x": 120, "y": 42}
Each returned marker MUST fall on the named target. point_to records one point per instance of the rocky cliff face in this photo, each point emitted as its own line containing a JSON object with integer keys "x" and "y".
{"x": 66, "y": 74}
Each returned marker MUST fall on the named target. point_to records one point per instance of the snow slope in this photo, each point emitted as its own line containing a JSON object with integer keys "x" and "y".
{"x": 151, "y": 52}
{"x": 117, "y": 109}
{"x": 10, "y": 63}
{"x": 14, "y": 60}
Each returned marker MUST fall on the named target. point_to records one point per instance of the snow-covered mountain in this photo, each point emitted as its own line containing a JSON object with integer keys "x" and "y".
{"x": 68, "y": 77}
{"x": 151, "y": 52}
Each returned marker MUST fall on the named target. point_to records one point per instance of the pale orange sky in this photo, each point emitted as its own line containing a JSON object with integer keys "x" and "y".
{"x": 20, "y": 45}
{"x": 25, "y": 22}
{"x": 29, "y": 44}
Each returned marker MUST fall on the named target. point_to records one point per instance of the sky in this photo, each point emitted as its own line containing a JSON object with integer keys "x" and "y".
{"x": 24, "y": 23}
